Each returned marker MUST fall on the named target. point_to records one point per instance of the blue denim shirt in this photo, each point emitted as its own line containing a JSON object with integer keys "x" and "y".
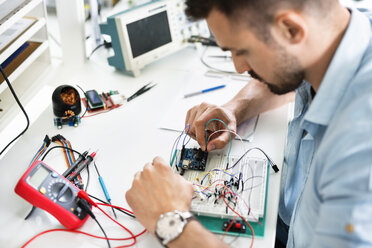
{"x": 326, "y": 186}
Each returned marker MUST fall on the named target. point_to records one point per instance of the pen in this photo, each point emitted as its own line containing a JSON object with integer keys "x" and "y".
{"x": 103, "y": 186}
{"x": 204, "y": 91}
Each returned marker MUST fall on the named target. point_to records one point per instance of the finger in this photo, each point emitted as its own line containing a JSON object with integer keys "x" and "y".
{"x": 219, "y": 141}
{"x": 200, "y": 126}
{"x": 159, "y": 161}
{"x": 137, "y": 175}
{"x": 188, "y": 115}
{"x": 147, "y": 171}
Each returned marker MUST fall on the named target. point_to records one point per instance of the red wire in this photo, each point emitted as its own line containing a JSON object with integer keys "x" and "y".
{"x": 81, "y": 232}
{"x": 101, "y": 112}
{"x": 133, "y": 237}
{"x": 126, "y": 229}
{"x": 249, "y": 225}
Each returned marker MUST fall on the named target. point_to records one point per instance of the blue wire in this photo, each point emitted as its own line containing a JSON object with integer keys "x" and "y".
{"x": 36, "y": 155}
{"x": 183, "y": 143}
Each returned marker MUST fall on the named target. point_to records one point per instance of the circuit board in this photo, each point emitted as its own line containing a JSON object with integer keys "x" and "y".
{"x": 70, "y": 121}
{"x": 247, "y": 181}
{"x": 193, "y": 159}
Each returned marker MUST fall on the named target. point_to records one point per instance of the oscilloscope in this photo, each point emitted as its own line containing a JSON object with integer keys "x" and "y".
{"x": 149, "y": 32}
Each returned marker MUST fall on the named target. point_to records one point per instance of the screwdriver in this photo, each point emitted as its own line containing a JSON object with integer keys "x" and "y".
{"x": 83, "y": 165}
{"x": 103, "y": 186}
{"x": 75, "y": 164}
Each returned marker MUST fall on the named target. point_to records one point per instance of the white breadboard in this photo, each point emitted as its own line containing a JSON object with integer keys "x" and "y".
{"x": 207, "y": 203}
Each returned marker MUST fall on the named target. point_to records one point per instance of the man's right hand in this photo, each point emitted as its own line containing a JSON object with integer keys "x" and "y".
{"x": 198, "y": 117}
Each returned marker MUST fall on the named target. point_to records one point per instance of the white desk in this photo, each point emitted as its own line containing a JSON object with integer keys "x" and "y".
{"x": 126, "y": 138}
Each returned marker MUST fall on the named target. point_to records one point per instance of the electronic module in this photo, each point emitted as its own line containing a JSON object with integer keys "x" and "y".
{"x": 243, "y": 187}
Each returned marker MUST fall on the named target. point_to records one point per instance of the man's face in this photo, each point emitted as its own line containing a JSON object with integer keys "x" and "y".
{"x": 269, "y": 63}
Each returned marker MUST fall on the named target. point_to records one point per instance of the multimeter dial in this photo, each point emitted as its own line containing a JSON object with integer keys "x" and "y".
{"x": 61, "y": 192}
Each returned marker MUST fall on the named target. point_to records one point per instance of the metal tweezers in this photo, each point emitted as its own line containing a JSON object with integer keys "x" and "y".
{"x": 139, "y": 92}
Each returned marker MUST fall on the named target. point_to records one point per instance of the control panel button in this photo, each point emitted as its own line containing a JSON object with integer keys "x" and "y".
{"x": 42, "y": 190}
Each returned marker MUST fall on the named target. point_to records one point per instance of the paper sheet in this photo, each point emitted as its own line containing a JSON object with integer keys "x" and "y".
{"x": 175, "y": 118}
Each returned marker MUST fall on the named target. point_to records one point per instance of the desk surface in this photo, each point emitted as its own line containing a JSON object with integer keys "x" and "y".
{"x": 126, "y": 138}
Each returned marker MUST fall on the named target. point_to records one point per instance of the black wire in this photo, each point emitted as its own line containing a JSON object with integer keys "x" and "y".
{"x": 120, "y": 210}
{"x": 104, "y": 233}
{"x": 85, "y": 94}
{"x": 63, "y": 147}
{"x": 257, "y": 148}
{"x": 19, "y": 104}
{"x": 95, "y": 49}
{"x": 88, "y": 177}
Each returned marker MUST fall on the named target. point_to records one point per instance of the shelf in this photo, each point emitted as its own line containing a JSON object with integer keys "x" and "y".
{"x": 17, "y": 14}
{"x": 26, "y": 63}
{"x": 38, "y": 25}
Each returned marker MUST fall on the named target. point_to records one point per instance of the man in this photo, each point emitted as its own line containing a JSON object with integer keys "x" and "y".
{"x": 324, "y": 52}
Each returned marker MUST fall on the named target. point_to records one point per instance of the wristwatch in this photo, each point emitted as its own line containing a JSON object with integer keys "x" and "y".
{"x": 170, "y": 225}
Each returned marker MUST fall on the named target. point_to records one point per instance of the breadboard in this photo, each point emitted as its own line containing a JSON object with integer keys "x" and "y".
{"x": 250, "y": 199}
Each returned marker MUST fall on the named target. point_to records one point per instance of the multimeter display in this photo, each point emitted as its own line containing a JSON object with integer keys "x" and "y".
{"x": 38, "y": 177}
{"x": 44, "y": 188}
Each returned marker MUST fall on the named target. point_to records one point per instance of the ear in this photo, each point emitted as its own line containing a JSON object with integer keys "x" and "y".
{"x": 290, "y": 27}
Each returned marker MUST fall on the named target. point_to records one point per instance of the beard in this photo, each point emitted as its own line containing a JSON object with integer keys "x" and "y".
{"x": 288, "y": 74}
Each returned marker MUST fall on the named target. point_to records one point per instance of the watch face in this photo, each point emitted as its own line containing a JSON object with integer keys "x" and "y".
{"x": 169, "y": 226}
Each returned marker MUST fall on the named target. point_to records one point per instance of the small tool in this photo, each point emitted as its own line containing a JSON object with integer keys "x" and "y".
{"x": 83, "y": 165}
{"x": 139, "y": 92}
{"x": 103, "y": 186}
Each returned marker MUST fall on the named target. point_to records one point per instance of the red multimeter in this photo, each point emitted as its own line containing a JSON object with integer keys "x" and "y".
{"x": 44, "y": 188}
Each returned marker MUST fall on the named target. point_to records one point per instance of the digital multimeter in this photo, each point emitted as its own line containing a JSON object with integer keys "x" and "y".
{"x": 44, "y": 188}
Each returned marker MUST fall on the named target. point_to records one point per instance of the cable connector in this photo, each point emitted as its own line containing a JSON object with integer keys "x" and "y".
{"x": 84, "y": 195}
{"x": 107, "y": 44}
{"x": 275, "y": 167}
{"x": 83, "y": 204}
{"x": 47, "y": 140}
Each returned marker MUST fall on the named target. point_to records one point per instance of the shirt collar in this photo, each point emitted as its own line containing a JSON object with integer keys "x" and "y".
{"x": 341, "y": 70}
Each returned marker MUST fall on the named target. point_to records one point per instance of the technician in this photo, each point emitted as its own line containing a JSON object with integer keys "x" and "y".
{"x": 321, "y": 50}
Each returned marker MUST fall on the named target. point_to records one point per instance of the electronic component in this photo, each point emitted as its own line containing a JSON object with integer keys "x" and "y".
{"x": 237, "y": 226}
{"x": 117, "y": 99}
{"x": 94, "y": 99}
{"x": 73, "y": 121}
{"x": 45, "y": 188}
{"x": 193, "y": 159}
{"x": 248, "y": 179}
{"x": 149, "y": 32}
{"x": 111, "y": 100}
{"x": 66, "y": 101}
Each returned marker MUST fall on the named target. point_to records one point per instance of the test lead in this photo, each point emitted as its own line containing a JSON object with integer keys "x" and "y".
{"x": 83, "y": 165}
{"x": 77, "y": 162}
{"x": 103, "y": 186}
